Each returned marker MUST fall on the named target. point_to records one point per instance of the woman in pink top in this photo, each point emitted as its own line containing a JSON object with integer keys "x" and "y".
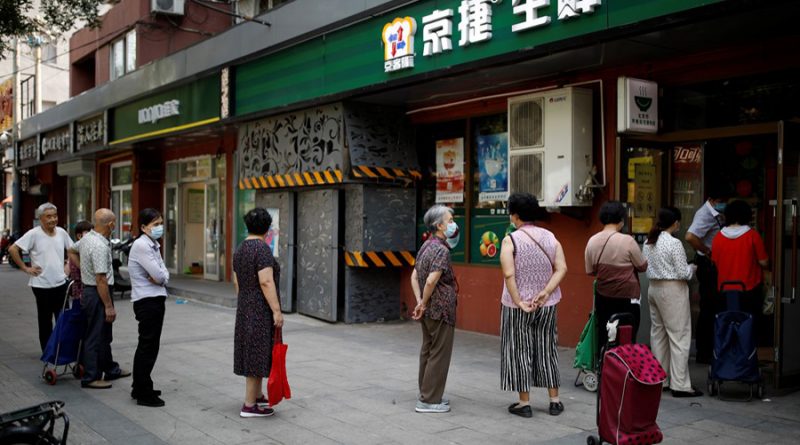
{"x": 533, "y": 265}
{"x": 616, "y": 260}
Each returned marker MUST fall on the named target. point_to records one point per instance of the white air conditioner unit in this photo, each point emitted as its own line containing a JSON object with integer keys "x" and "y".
{"x": 173, "y": 7}
{"x": 550, "y": 145}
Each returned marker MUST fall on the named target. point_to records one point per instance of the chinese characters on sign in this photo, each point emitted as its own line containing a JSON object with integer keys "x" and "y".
{"x": 90, "y": 133}
{"x": 56, "y": 141}
{"x": 637, "y": 102}
{"x": 27, "y": 150}
{"x": 476, "y": 21}
{"x": 474, "y": 26}
{"x": 437, "y": 30}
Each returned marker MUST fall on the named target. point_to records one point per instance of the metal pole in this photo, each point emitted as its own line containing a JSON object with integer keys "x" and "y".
{"x": 37, "y": 92}
{"x": 16, "y": 190}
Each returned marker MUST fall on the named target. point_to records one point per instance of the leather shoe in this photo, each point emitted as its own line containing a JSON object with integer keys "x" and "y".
{"x": 97, "y": 384}
{"x": 117, "y": 375}
{"x": 152, "y": 401}
{"x": 135, "y": 395}
{"x": 556, "y": 408}
{"x": 522, "y": 411}
{"x": 693, "y": 393}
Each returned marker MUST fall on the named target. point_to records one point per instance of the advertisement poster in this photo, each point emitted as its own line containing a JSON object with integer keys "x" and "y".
{"x": 493, "y": 162}
{"x": 487, "y": 233}
{"x": 273, "y": 235}
{"x": 450, "y": 170}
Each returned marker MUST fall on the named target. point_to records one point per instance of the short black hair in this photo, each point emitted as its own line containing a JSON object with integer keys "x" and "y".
{"x": 738, "y": 212}
{"x": 83, "y": 227}
{"x": 525, "y": 206}
{"x": 258, "y": 221}
{"x": 612, "y": 212}
{"x": 718, "y": 189}
{"x": 148, "y": 215}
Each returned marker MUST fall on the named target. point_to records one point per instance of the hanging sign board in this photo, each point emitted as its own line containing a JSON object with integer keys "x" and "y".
{"x": 637, "y": 106}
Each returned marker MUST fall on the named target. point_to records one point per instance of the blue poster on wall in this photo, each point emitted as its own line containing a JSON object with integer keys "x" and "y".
{"x": 493, "y": 162}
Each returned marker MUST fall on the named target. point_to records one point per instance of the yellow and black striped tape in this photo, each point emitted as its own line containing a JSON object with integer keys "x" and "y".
{"x": 363, "y": 171}
{"x": 292, "y": 180}
{"x": 379, "y": 259}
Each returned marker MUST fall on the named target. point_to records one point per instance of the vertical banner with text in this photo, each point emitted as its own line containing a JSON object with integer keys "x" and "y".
{"x": 450, "y": 170}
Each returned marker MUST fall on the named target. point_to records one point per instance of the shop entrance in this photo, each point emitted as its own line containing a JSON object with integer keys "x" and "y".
{"x": 759, "y": 164}
{"x": 193, "y": 219}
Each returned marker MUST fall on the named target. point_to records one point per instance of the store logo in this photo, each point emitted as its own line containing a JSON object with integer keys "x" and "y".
{"x": 398, "y": 44}
{"x": 152, "y": 114}
{"x": 643, "y": 103}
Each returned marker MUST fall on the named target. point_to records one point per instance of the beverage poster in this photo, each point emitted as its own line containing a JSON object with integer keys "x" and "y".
{"x": 493, "y": 162}
{"x": 273, "y": 234}
{"x": 450, "y": 170}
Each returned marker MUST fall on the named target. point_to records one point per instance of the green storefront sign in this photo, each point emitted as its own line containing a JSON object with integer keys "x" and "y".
{"x": 354, "y": 57}
{"x": 187, "y": 106}
{"x": 486, "y": 236}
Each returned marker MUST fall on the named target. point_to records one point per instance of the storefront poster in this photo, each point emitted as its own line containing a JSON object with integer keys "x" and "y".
{"x": 450, "y": 170}
{"x": 487, "y": 233}
{"x": 493, "y": 162}
{"x": 195, "y": 209}
{"x": 273, "y": 234}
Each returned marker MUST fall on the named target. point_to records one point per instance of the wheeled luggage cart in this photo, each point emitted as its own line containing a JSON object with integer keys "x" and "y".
{"x": 735, "y": 349}
{"x": 631, "y": 382}
{"x": 63, "y": 350}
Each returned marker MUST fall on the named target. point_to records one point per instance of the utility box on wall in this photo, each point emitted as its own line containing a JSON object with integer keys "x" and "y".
{"x": 550, "y": 145}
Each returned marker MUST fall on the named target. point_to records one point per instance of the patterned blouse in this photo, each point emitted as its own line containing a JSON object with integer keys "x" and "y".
{"x": 666, "y": 259}
{"x": 532, "y": 269}
{"x": 433, "y": 256}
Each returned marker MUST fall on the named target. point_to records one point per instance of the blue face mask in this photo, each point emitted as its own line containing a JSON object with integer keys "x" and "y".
{"x": 720, "y": 206}
{"x": 157, "y": 232}
{"x": 452, "y": 234}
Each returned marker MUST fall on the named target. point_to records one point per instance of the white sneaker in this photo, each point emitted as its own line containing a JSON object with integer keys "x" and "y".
{"x": 423, "y": 407}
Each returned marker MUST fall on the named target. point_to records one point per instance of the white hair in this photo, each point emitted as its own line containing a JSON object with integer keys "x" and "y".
{"x": 43, "y": 208}
{"x": 435, "y": 216}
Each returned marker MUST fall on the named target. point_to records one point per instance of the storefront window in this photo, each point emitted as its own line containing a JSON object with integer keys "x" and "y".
{"x": 442, "y": 154}
{"x": 80, "y": 200}
{"x": 172, "y": 173}
{"x": 643, "y": 171}
{"x": 121, "y": 199}
{"x": 197, "y": 168}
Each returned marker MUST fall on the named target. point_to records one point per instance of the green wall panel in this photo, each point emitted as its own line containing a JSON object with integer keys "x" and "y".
{"x": 199, "y": 100}
{"x": 352, "y": 58}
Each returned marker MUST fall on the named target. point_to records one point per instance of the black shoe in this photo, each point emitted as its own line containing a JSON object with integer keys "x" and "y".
{"x": 135, "y": 395}
{"x": 152, "y": 400}
{"x": 522, "y": 411}
{"x": 693, "y": 393}
{"x": 556, "y": 408}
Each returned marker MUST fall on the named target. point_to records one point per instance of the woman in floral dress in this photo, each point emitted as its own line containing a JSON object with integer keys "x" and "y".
{"x": 258, "y": 311}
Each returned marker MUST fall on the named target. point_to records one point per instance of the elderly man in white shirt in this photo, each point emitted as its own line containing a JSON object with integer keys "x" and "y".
{"x": 149, "y": 277}
{"x": 47, "y": 245}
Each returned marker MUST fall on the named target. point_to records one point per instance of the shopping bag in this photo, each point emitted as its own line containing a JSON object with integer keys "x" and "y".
{"x": 586, "y": 351}
{"x": 277, "y": 383}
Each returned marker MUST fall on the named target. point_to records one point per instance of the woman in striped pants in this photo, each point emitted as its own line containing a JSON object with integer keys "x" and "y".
{"x": 533, "y": 265}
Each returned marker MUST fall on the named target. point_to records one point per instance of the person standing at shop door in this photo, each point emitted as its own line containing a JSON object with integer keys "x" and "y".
{"x": 47, "y": 245}
{"x": 149, "y": 277}
{"x": 707, "y": 222}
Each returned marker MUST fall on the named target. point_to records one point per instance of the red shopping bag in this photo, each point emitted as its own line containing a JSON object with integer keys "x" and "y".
{"x": 278, "y": 384}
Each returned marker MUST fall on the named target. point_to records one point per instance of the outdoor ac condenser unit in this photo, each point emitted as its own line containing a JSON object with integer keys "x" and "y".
{"x": 550, "y": 145}
{"x": 173, "y": 7}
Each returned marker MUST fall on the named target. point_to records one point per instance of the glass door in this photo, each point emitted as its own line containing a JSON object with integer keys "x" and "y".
{"x": 171, "y": 212}
{"x": 212, "y": 231}
{"x": 787, "y": 303}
